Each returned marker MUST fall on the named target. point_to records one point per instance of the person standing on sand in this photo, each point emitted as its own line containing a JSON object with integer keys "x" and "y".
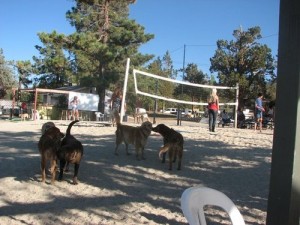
{"x": 213, "y": 108}
{"x": 259, "y": 109}
{"x": 74, "y": 104}
{"x": 116, "y": 99}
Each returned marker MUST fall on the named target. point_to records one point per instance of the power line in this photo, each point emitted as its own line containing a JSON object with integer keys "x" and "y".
{"x": 202, "y": 45}
{"x": 271, "y": 35}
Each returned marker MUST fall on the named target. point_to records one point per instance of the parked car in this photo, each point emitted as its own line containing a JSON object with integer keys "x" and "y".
{"x": 170, "y": 111}
{"x": 187, "y": 112}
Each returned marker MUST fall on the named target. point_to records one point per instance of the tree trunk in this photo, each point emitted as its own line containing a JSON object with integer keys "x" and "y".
{"x": 101, "y": 103}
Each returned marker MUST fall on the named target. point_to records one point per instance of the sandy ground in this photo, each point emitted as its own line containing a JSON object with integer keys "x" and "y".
{"x": 120, "y": 189}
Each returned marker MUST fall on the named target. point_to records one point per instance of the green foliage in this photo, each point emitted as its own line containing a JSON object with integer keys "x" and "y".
{"x": 27, "y": 97}
{"x": 162, "y": 67}
{"x": 96, "y": 53}
{"x": 188, "y": 93}
{"x": 244, "y": 61}
{"x": 55, "y": 113}
{"x": 62, "y": 102}
{"x": 193, "y": 75}
{"x": 271, "y": 91}
{"x": 108, "y": 38}
{"x": 24, "y": 69}
{"x": 54, "y": 67}
{"x": 7, "y": 79}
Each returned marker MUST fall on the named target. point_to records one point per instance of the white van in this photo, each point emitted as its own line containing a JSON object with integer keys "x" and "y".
{"x": 170, "y": 111}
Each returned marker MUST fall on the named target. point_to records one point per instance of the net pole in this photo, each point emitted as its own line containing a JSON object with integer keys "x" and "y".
{"x": 125, "y": 89}
{"x": 236, "y": 105}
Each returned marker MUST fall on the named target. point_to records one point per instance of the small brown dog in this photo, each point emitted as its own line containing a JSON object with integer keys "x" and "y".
{"x": 137, "y": 136}
{"x": 71, "y": 151}
{"x": 173, "y": 144}
{"x": 48, "y": 145}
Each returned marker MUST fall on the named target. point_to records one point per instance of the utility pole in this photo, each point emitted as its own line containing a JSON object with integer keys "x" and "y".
{"x": 155, "y": 104}
{"x": 183, "y": 68}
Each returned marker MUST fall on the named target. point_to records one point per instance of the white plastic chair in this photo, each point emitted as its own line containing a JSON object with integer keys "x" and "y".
{"x": 194, "y": 199}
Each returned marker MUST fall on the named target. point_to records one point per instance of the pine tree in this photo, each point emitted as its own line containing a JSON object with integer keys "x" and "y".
{"x": 95, "y": 55}
{"x": 244, "y": 61}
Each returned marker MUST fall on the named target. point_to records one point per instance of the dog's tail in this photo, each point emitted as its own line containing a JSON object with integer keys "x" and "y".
{"x": 70, "y": 126}
{"x": 164, "y": 149}
{"x": 117, "y": 117}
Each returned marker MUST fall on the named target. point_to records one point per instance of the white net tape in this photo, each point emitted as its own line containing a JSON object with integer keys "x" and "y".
{"x": 146, "y": 84}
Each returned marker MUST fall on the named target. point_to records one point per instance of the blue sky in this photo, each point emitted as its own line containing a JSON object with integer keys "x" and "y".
{"x": 198, "y": 24}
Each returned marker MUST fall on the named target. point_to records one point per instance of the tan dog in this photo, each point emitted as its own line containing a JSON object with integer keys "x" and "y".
{"x": 173, "y": 144}
{"x": 137, "y": 136}
{"x": 24, "y": 116}
{"x": 46, "y": 126}
{"x": 48, "y": 145}
{"x": 137, "y": 118}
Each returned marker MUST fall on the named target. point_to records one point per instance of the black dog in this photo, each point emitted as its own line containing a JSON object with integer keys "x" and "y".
{"x": 71, "y": 151}
{"x": 173, "y": 143}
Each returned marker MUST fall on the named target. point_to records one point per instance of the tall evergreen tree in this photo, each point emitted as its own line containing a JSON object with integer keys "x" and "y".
{"x": 54, "y": 65}
{"x": 194, "y": 75}
{"x": 105, "y": 37}
{"x": 24, "y": 69}
{"x": 244, "y": 61}
{"x": 163, "y": 67}
{"x": 167, "y": 66}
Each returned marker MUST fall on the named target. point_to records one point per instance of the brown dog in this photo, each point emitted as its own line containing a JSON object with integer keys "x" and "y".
{"x": 71, "y": 151}
{"x": 173, "y": 144}
{"x": 137, "y": 136}
{"x": 48, "y": 145}
{"x": 46, "y": 126}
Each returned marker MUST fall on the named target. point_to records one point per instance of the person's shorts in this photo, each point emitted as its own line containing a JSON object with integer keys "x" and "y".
{"x": 259, "y": 115}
